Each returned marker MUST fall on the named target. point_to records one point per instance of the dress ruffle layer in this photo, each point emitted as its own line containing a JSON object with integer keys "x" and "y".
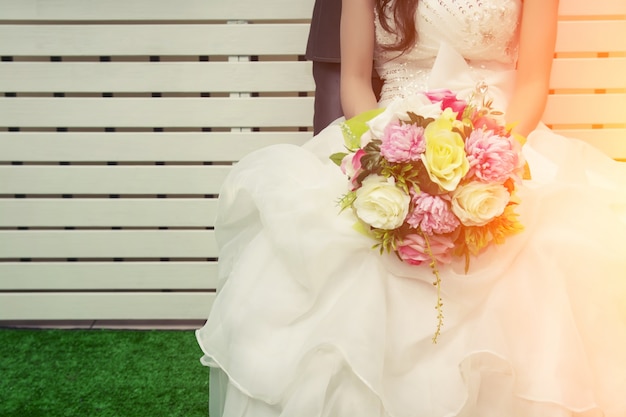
{"x": 311, "y": 321}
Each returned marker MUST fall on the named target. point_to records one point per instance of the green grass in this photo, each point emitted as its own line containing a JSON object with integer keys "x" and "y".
{"x": 101, "y": 373}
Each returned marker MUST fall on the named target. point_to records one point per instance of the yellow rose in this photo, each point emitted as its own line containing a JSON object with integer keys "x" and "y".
{"x": 380, "y": 203}
{"x": 477, "y": 203}
{"x": 444, "y": 158}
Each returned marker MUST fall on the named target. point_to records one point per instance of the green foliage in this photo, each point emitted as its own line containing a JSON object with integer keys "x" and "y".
{"x": 337, "y": 158}
{"x": 387, "y": 239}
{"x": 418, "y": 120}
{"x": 407, "y": 175}
{"x": 356, "y": 126}
{"x": 347, "y": 200}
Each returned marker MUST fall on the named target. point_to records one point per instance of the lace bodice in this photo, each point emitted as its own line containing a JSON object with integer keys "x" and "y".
{"x": 483, "y": 32}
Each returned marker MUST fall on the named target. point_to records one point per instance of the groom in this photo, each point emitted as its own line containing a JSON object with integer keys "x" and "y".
{"x": 323, "y": 49}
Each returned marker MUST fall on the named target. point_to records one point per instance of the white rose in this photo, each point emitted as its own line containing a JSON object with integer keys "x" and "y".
{"x": 476, "y": 203}
{"x": 380, "y": 203}
{"x": 398, "y": 108}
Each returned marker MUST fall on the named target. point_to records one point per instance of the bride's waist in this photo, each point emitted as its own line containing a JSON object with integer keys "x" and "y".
{"x": 405, "y": 79}
{"x": 402, "y": 83}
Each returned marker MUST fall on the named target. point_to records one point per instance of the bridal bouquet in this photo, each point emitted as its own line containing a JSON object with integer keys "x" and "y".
{"x": 432, "y": 177}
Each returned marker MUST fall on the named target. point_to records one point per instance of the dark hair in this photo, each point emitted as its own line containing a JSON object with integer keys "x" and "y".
{"x": 403, "y": 14}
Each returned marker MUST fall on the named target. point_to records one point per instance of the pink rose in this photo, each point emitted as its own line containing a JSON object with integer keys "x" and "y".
{"x": 432, "y": 215}
{"x": 412, "y": 249}
{"x": 448, "y": 100}
{"x": 492, "y": 158}
{"x": 402, "y": 142}
{"x": 351, "y": 166}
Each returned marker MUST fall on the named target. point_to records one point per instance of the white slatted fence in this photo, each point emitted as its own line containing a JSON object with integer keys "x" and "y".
{"x": 120, "y": 118}
{"x": 589, "y": 75}
{"x": 118, "y": 122}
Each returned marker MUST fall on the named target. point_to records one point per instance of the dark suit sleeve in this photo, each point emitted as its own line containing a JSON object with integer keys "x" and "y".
{"x": 323, "y": 42}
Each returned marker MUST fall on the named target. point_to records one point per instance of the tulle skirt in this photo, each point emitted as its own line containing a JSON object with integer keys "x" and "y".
{"x": 309, "y": 320}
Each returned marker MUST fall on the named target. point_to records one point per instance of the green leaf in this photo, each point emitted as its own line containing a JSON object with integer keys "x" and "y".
{"x": 362, "y": 228}
{"x": 418, "y": 120}
{"x": 356, "y": 126}
{"x": 347, "y": 200}
{"x": 338, "y": 157}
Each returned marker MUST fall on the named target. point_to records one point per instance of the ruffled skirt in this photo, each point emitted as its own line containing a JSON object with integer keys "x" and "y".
{"x": 309, "y": 320}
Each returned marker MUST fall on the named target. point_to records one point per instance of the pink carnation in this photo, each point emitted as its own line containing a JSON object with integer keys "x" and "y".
{"x": 448, "y": 100}
{"x": 432, "y": 214}
{"x": 402, "y": 142}
{"x": 491, "y": 158}
{"x": 412, "y": 249}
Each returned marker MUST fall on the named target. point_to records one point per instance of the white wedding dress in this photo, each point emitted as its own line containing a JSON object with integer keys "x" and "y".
{"x": 310, "y": 321}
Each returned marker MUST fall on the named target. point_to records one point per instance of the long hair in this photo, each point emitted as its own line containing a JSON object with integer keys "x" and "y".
{"x": 403, "y": 14}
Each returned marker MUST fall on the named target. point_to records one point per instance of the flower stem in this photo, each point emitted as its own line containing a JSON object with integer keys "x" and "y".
{"x": 437, "y": 283}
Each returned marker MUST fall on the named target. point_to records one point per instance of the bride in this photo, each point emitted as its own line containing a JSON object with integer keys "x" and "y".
{"x": 309, "y": 320}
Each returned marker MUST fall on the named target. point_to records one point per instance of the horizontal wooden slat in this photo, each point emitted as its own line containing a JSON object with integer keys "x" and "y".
{"x": 282, "y": 111}
{"x": 107, "y": 275}
{"x": 171, "y": 40}
{"x": 591, "y": 8}
{"x": 164, "y": 77}
{"x": 154, "y": 9}
{"x": 215, "y": 77}
{"x": 214, "y": 9}
{"x": 259, "y": 39}
{"x": 585, "y": 109}
{"x": 156, "y": 112}
{"x": 591, "y": 36}
{"x": 114, "y": 212}
{"x": 589, "y": 73}
{"x": 107, "y": 244}
{"x": 611, "y": 141}
{"x": 139, "y": 146}
{"x": 111, "y": 179}
{"x": 105, "y": 306}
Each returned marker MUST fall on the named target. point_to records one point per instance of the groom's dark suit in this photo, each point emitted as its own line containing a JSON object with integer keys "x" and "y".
{"x": 323, "y": 50}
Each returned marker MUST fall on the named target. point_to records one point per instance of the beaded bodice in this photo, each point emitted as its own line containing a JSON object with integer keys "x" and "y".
{"x": 483, "y": 32}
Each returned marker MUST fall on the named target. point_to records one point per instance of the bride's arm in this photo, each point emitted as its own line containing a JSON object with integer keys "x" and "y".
{"x": 536, "y": 51}
{"x": 357, "y": 54}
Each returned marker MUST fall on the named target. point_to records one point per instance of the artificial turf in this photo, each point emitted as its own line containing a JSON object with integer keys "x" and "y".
{"x": 101, "y": 373}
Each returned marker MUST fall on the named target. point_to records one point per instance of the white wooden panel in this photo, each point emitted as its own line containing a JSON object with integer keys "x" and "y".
{"x": 102, "y": 212}
{"x": 591, "y": 36}
{"x": 214, "y": 9}
{"x": 162, "y": 77}
{"x": 156, "y": 112}
{"x": 154, "y": 9}
{"x": 173, "y": 40}
{"x": 259, "y": 39}
{"x": 105, "y": 306}
{"x": 585, "y": 109}
{"x": 159, "y": 146}
{"x": 594, "y": 73}
{"x": 591, "y": 8}
{"x": 611, "y": 141}
{"x": 107, "y": 275}
{"x": 107, "y": 244}
{"x": 145, "y": 146}
{"x": 28, "y": 179}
